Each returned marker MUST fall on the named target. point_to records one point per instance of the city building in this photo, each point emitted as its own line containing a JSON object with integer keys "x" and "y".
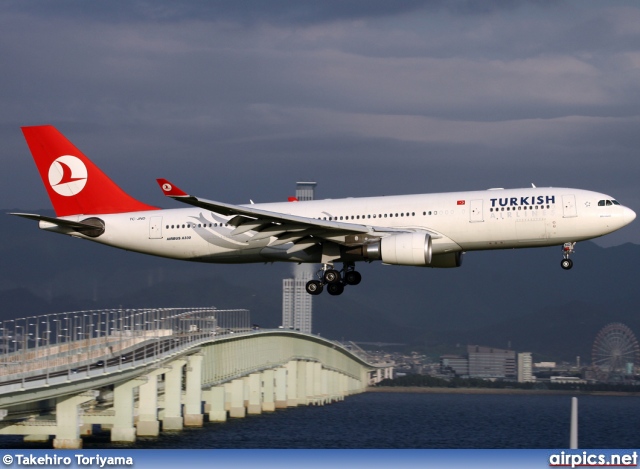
{"x": 297, "y": 306}
{"x": 489, "y": 362}
{"x": 456, "y": 364}
{"x": 481, "y": 362}
{"x": 525, "y": 368}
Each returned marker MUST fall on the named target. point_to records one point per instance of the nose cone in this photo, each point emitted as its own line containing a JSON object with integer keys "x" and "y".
{"x": 629, "y": 215}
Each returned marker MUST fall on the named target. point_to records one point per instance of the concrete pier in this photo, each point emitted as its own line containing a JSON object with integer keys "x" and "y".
{"x": 281, "y": 388}
{"x": 237, "y": 408}
{"x": 172, "y": 415}
{"x": 254, "y": 406}
{"x": 67, "y": 435}
{"x": 215, "y": 399}
{"x": 268, "y": 391}
{"x": 148, "y": 423}
{"x": 193, "y": 416}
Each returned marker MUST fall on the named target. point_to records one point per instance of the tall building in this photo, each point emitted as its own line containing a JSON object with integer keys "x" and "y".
{"x": 297, "y": 306}
{"x": 305, "y": 190}
{"x": 525, "y": 368}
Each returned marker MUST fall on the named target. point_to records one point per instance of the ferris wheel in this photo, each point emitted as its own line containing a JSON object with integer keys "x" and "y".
{"x": 615, "y": 352}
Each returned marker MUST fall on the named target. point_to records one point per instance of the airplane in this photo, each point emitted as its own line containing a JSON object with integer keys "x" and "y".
{"x": 424, "y": 230}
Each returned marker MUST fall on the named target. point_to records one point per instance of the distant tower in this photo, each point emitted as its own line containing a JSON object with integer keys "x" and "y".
{"x": 305, "y": 190}
{"x": 297, "y": 307}
{"x": 296, "y": 302}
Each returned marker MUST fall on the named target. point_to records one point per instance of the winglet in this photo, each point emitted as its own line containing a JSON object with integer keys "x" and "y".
{"x": 171, "y": 190}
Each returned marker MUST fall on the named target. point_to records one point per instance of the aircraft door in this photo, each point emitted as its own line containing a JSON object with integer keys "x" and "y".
{"x": 155, "y": 227}
{"x": 475, "y": 211}
{"x": 569, "y": 206}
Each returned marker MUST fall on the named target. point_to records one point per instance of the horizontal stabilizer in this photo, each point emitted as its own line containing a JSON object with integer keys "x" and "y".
{"x": 93, "y": 227}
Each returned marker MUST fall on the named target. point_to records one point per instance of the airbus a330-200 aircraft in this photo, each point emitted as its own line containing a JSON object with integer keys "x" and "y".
{"x": 425, "y": 230}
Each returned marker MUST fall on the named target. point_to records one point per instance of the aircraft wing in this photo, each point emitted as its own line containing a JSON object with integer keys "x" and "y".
{"x": 304, "y": 232}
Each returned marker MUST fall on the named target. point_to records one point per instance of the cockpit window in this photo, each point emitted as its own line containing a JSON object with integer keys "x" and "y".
{"x": 602, "y": 203}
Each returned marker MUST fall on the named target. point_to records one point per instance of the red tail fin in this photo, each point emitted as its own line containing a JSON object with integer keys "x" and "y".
{"x": 75, "y": 185}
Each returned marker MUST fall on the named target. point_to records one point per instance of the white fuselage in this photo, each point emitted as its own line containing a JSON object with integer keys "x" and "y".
{"x": 461, "y": 221}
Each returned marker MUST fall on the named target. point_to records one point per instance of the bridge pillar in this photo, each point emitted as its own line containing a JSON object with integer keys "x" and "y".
{"x": 292, "y": 383}
{"x": 172, "y": 417}
{"x": 215, "y": 399}
{"x": 341, "y": 386}
{"x": 68, "y": 420}
{"x": 324, "y": 386}
{"x": 193, "y": 416}
{"x": 335, "y": 383}
{"x": 280, "y": 388}
{"x": 268, "y": 393}
{"x": 316, "y": 390}
{"x": 254, "y": 405}
{"x": 355, "y": 384}
{"x": 148, "y": 424}
{"x": 236, "y": 391}
{"x": 309, "y": 391}
{"x": 123, "y": 402}
{"x": 335, "y": 386}
{"x": 227, "y": 396}
{"x": 302, "y": 384}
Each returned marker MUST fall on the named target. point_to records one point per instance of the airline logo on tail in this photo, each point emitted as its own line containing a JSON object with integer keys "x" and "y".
{"x": 68, "y": 175}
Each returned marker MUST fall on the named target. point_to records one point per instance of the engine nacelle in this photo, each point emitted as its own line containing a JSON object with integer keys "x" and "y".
{"x": 401, "y": 249}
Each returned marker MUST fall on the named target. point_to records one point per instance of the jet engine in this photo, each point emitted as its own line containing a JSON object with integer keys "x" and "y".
{"x": 401, "y": 249}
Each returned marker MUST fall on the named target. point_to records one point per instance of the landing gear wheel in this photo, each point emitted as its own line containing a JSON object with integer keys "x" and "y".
{"x": 314, "y": 287}
{"x": 566, "y": 264}
{"x": 335, "y": 288}
{"x": 331, "y": 276}
{"x": 352, "y": 277}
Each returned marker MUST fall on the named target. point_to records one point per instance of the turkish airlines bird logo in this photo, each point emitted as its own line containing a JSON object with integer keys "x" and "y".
{"x": 67, "y": 175}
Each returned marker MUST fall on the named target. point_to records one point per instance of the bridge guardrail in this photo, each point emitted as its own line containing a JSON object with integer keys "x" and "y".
{"x": 78, "y": 344}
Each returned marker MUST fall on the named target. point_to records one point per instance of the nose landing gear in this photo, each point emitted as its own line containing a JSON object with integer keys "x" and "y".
{"x": 567, "y": 250}
{"x": 334, "y": 280}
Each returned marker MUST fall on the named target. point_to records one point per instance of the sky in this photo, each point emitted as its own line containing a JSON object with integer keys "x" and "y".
{"x": 237, "y": 100}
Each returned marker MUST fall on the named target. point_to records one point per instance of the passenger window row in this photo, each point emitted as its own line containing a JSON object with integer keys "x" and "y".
{"x": 379, "y": 215}
{"x": 524, "y": 207}
{"x": 363, "y": 217}
{"x": 194, "y": 225}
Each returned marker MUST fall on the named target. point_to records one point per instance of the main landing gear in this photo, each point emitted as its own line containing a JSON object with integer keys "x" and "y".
{"x": 334, "y": 280}
{"x": 567, "y": 250}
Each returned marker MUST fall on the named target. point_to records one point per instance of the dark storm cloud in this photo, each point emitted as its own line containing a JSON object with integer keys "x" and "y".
{"x": 251, "y": 11}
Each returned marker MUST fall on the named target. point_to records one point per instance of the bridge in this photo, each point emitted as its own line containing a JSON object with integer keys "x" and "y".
{"x": 141, "y": 371}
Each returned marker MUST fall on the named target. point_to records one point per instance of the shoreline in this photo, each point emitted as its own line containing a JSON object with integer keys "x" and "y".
{"x": 428, "y": 390}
